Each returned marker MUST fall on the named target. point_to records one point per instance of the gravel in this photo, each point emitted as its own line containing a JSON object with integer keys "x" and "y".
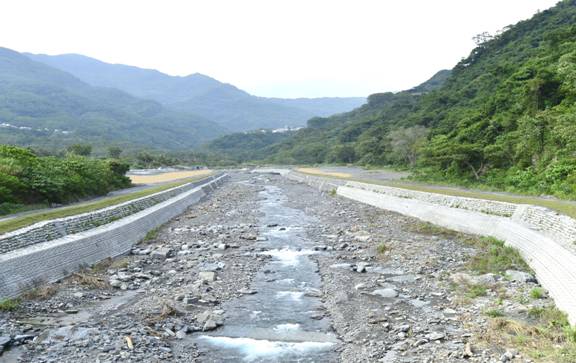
{"x": 396, "y": 305}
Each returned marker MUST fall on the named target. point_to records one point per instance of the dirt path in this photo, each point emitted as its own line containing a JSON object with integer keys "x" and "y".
{"x": 268, "y": 270}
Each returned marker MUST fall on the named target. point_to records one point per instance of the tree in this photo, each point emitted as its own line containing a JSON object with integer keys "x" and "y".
{"x": 114, "y": 152}
{"x": 406, "y": 142}
{"x": 80, "y": 149}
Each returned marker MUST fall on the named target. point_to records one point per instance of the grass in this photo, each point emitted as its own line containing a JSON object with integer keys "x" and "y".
{"x": 382, "y": 248}
{"x": 89, "y": 280}
{"x": 9, "y": 304}
{"x": 151, "y": 235}
{"x": 495, "y": 257}
{"x": 40, "y": 292}
{"x": 477, "y": 290}
{"x": 494, "y": 313}
{"x": 547, "y": 338}
{"x": 433, "y": 230}
{"x": 537, "y": 293}
{"x": 29, "y": 219}
{"x": 565, "y": 207}
{"x": 166, "y": 177}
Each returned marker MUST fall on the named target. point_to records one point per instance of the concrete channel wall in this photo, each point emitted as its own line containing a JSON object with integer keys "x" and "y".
{"x": 543, "y": 237}
{"x": 61, "y": 227}
{"x": 52, "y": 260}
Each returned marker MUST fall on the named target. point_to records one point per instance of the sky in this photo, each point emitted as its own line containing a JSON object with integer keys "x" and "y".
{"x": 275, "y": 48}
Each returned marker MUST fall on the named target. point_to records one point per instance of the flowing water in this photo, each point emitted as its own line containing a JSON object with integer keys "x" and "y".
{"x": 284, "y": 320}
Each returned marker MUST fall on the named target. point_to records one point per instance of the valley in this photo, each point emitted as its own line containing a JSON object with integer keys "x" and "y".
{"x": 267, "y": 269}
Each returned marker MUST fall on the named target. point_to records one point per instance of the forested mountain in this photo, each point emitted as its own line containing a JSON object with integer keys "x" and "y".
{"x": 505, "y": 116}
{"x": 44, "y": 106}
{"x": 198, "y": 94}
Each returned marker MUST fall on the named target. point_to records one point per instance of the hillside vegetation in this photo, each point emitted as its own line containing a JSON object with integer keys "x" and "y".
{"x": 26, "y": 178}
{"x": 229, "y": 106}
{"x": 43, "y": 106}
{"x": 505, "y": 117}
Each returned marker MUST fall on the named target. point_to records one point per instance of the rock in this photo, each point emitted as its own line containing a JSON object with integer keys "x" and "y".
{"x": 162, "y": 253}
{"x": 203, "y": 317}
{"x": 404, "y": 328}
{"x": 209, "y": 325}
{"x": 246, "y": 292}
{"x": 115, "y": 283}
{"x": 181, "y": 334}
{"x": 387, "y": 293}
{"x": 436, "y": 336}
{"x": 320, "y": 248}
{"x": 363, "y": 238}
{"x": 222, "y": 246}
{"x": 464, "y": 278}
{"x": 486, "y": 279}
{"x": 468, "y": 350}
{"x": 361, "y": 266}
{"x": 4, "y": 342}
{"x": 520, "y": 276}
{"x": 207, "y": 276}
{"x": 508, "y": 356}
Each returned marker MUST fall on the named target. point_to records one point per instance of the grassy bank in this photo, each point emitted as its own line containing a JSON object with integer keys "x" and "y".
{"x": 565, "y": 207}
{"x": 29, "y": 219}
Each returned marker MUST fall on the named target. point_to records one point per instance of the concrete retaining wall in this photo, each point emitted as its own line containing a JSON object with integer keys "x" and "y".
{"x": 543, "y": 237}
{"x": 61, "y": 227}
{"x": 53, "y": 260}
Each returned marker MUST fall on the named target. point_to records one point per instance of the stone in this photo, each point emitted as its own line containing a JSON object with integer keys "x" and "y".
{"x": 209, "y": 325}
{"x": 208, "y": 276}
{"x": 222, "y": 246}
{"x": 247, "y": 292}
{"x": 203, "y": 317}
{"x": 162, "y": 253}
{"x": 4, "y": 342}
{"x": 386, "y": 293}
{"x": 436, "y": 336}
{"x": 520, "y": 276}
{"x": 361, "y": 266}
{"x": 362, "y": 238}
{"x": 181, "y": 334}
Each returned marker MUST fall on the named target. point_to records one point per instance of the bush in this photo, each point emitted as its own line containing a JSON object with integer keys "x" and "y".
{"x": 26, "y": 178}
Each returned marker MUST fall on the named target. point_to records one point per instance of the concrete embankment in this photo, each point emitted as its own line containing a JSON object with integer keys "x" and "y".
{"x": 49, "y": 254}
{"x": 544, "y": 238}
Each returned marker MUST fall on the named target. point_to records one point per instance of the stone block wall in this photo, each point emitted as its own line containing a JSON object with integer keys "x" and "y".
{"x": 58, "y": 228}
{"x": 52, "y": 260}
{"x": 478, "y": 205}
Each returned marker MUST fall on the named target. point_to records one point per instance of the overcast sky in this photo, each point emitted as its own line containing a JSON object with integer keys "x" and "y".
{"x": 284, "y": 48}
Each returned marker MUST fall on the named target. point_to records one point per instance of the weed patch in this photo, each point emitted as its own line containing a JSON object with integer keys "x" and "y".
{"x": 495, "y": 257}
{"x": 9, "y": 304}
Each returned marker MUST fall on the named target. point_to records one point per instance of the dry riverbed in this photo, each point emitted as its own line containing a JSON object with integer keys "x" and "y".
{"x": 269, "y": 270}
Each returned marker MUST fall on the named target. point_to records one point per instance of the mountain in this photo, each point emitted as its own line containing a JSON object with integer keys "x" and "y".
{"x": 44, "y": 106}
{"x": 332, "y": 139}
{"x": 223, "y": 103}
{"x": 504, "y": 117}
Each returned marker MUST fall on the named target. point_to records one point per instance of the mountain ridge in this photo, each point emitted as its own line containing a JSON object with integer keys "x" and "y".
{"x": 199, "y": 94}
{"x": 44, "y": 106}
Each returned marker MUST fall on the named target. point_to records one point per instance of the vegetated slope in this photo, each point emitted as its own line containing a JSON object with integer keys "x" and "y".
{"x": 44, "y": 106}
{"x": 360, "y": 135}
{"x": 199, "y": 94}
{"x": 505, "y": 117}
{"x": 26, "y": 178}
{"x": 244, "y": 146}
